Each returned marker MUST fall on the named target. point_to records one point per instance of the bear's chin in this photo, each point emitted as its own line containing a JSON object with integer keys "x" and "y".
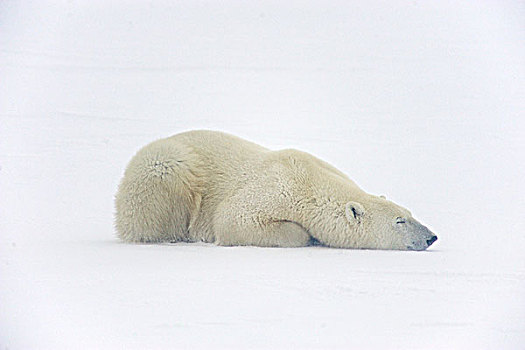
{"x": 417, "y": 249}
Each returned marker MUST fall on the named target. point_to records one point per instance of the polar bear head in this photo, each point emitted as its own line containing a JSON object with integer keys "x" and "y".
{"x": 382, "y": 224}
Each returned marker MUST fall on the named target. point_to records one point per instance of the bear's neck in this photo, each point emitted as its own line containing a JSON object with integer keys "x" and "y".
{"x": 323, "y": 218}
{"x": 322, "y": 214}
{"x": 319, "y": 196}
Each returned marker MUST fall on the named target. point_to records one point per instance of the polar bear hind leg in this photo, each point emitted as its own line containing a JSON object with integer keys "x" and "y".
{"x": 157, "y": 195}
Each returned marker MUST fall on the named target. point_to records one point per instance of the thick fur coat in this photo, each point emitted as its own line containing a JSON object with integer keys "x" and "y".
{"x": 213, "y": 187}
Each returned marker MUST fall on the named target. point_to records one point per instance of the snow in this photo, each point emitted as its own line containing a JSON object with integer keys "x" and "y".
{"x": 420, "y": 101}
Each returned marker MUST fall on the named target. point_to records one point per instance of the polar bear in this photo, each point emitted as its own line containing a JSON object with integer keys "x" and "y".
{"x": 214, "y": 187}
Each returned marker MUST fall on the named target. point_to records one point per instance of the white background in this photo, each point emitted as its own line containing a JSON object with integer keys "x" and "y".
{"x": 421, "y": 101}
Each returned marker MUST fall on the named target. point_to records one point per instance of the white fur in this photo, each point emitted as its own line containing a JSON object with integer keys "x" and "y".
{"x": 214, "y": 187}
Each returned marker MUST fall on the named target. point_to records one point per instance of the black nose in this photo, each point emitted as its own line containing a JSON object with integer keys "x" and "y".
{"x": 431, "y": 240}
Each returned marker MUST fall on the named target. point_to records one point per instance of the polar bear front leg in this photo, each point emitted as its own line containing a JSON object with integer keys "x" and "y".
{"x": 281, "y": 233}
{"x": 258, "y": 218}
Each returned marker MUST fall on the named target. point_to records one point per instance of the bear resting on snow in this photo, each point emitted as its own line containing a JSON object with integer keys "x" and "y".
{"x": 213, "y": 187}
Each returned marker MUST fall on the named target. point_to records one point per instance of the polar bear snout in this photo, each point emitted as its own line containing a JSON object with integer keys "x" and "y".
{"x": 419, "y": 236}
{"x": 431, "y": 240}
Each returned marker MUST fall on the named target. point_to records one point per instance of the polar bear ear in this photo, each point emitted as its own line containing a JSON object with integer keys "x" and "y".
{"x": 354, "y": 211}
{"x": 382, "y": 196}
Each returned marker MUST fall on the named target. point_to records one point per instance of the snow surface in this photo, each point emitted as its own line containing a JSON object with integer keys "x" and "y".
{"x": 421, "y": 101}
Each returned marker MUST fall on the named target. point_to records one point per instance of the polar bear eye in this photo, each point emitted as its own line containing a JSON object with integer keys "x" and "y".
{"x": 400, "y": 221}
